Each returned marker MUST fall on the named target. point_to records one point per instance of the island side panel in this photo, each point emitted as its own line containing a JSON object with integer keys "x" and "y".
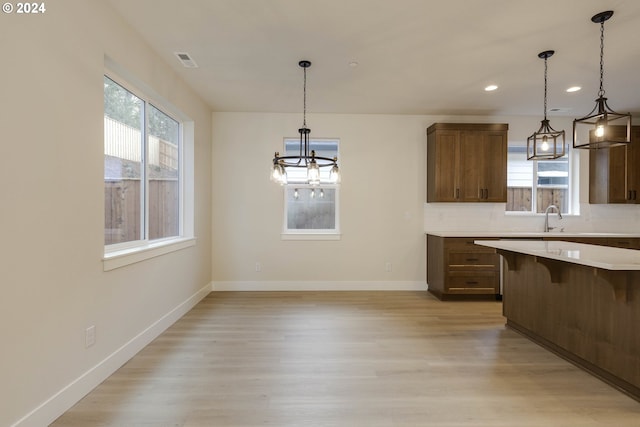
{"x": 579, "y": 316}
{"x": 435, "y": 265}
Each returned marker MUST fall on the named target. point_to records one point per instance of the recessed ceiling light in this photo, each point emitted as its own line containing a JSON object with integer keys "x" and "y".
{"x": 574, "y": 89}
{"x": 491, "y": 88}
{"x": 353, "y": 64}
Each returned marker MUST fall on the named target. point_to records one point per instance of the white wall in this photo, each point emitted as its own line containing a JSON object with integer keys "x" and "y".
{"x": 51, "y": 274}
{"x": 382, "y": 162}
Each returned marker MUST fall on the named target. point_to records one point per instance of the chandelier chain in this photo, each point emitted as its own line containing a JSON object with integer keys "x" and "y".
{"x": 601, "y": 91}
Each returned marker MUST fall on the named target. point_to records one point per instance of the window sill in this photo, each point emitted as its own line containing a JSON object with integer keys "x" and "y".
{"x": 310, "y": 236}
{"x": 121, "y": 258}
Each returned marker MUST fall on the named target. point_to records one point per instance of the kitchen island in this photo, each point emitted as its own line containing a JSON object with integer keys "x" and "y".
{"x": 578, "y": 300}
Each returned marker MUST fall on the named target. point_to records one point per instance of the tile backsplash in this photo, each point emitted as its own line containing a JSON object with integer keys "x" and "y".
{"x": 492, "y": 216}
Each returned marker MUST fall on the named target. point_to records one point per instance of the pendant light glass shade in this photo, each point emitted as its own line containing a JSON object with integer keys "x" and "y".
{"x": 334, "y": 175}
{"x": 602, "y": 127}
{"x": 313, "y": 171}
{"x": 278, "y": 173}
{"x": 546, "y": 143}
{"x": 306, "y": 158}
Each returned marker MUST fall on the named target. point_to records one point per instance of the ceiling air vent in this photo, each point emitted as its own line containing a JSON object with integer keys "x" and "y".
{"x": 186, "y": 60}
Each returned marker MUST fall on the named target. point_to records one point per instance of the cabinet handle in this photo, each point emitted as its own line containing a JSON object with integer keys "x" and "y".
{"x": 457, "y": 193}
{"x": 486, "y": 193}
{"x": 471, "y": 283}
{"x": 634, "y": 194}
{"x": 630, "y": 197}
{"x": 472, "y": 259}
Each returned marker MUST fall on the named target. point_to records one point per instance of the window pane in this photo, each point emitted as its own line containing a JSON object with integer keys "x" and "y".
{"x": 532, "y": 185}
{"x": 519, "y": 180}
{"x": 123, "y": 148}
{"x": 553, "y": 184}
{"x": 311, "y": 208}
{"x": 163, "y": 170}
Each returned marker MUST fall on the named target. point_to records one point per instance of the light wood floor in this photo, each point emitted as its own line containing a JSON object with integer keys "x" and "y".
{"x": 348, "y": 359}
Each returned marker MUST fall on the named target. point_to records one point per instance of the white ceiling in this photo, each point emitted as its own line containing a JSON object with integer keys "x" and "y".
{"x": 414, "y": 56}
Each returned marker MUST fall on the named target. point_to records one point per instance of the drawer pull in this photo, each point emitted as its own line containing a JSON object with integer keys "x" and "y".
{"x": 472, "y": 283}
{"x": 472, "y": 259}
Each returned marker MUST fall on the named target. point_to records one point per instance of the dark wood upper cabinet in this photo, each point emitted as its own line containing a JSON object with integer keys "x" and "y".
{"x": 614, "y": 173}
{"x": 467, "y": 162}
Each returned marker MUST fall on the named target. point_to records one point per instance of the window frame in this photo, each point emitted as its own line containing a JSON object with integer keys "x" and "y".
{"x": 312, "y": 233}
{"x": 121, "y": 254}
{"x": 309, "y": 233}
{"x": 572, "y": 184}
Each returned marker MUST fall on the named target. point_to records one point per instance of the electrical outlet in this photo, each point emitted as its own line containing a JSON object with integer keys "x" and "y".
{"x": 90, "y": 336}
{"x": 258, "y": 267}
{"x": 388, "y": 267}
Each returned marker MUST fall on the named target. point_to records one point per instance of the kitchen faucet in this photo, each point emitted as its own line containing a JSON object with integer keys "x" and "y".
{"x": 546, "y": 217}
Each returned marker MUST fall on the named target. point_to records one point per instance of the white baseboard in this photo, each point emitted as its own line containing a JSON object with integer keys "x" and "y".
{"x": 319, "y": 286}
{"x": 64, "y": 399}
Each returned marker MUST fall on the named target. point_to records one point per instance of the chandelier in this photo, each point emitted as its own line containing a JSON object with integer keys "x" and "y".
{"x": 547, "y": 143}
{"x": 602, "y": 127}
{"x": 305, "y": 158}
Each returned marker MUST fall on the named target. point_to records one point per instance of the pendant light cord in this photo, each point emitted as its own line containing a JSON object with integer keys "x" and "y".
{"x": 601, "y": 91}
{"x": 304, "y": 102}
{"x": 545, "y": 88}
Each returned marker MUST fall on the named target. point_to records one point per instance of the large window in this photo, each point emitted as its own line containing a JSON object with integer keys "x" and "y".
{"x": 142, "y": 158}
{"x": 534, "y": 185}
{"x": 311, "y": 210}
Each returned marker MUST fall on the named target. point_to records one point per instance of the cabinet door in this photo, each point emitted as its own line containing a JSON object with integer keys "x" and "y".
{"x": 443, "y": 156}
{"x": 472, "y": 157}
{"x": 599, "y": 176}
{"x": 617, "y": 175}
{"x": 494, "y": 180}
{"x": 633, "y": 166}
{"x": 483, "y": 159}
{"x": 614, "y": 173}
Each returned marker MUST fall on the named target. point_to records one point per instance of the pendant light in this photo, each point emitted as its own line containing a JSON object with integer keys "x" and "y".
{"x": 602, "y": 127}
{"x": 546, "y": 143}
{"x": 306, "y": 158}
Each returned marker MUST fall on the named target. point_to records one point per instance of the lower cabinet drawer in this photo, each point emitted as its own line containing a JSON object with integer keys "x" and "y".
{"x": 476, "y": 283}
{"x": 474, "y": 260}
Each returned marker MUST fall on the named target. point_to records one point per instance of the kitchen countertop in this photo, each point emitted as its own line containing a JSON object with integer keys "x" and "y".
{"x": 528, "y": 234}
{"x": 603, "y": 257}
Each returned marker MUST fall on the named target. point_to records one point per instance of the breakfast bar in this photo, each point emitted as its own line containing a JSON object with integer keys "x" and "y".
{"x": 580, "y": 301}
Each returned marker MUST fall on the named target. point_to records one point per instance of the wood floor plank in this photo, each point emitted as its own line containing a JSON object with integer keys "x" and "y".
{"x": 387, "y": 359}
